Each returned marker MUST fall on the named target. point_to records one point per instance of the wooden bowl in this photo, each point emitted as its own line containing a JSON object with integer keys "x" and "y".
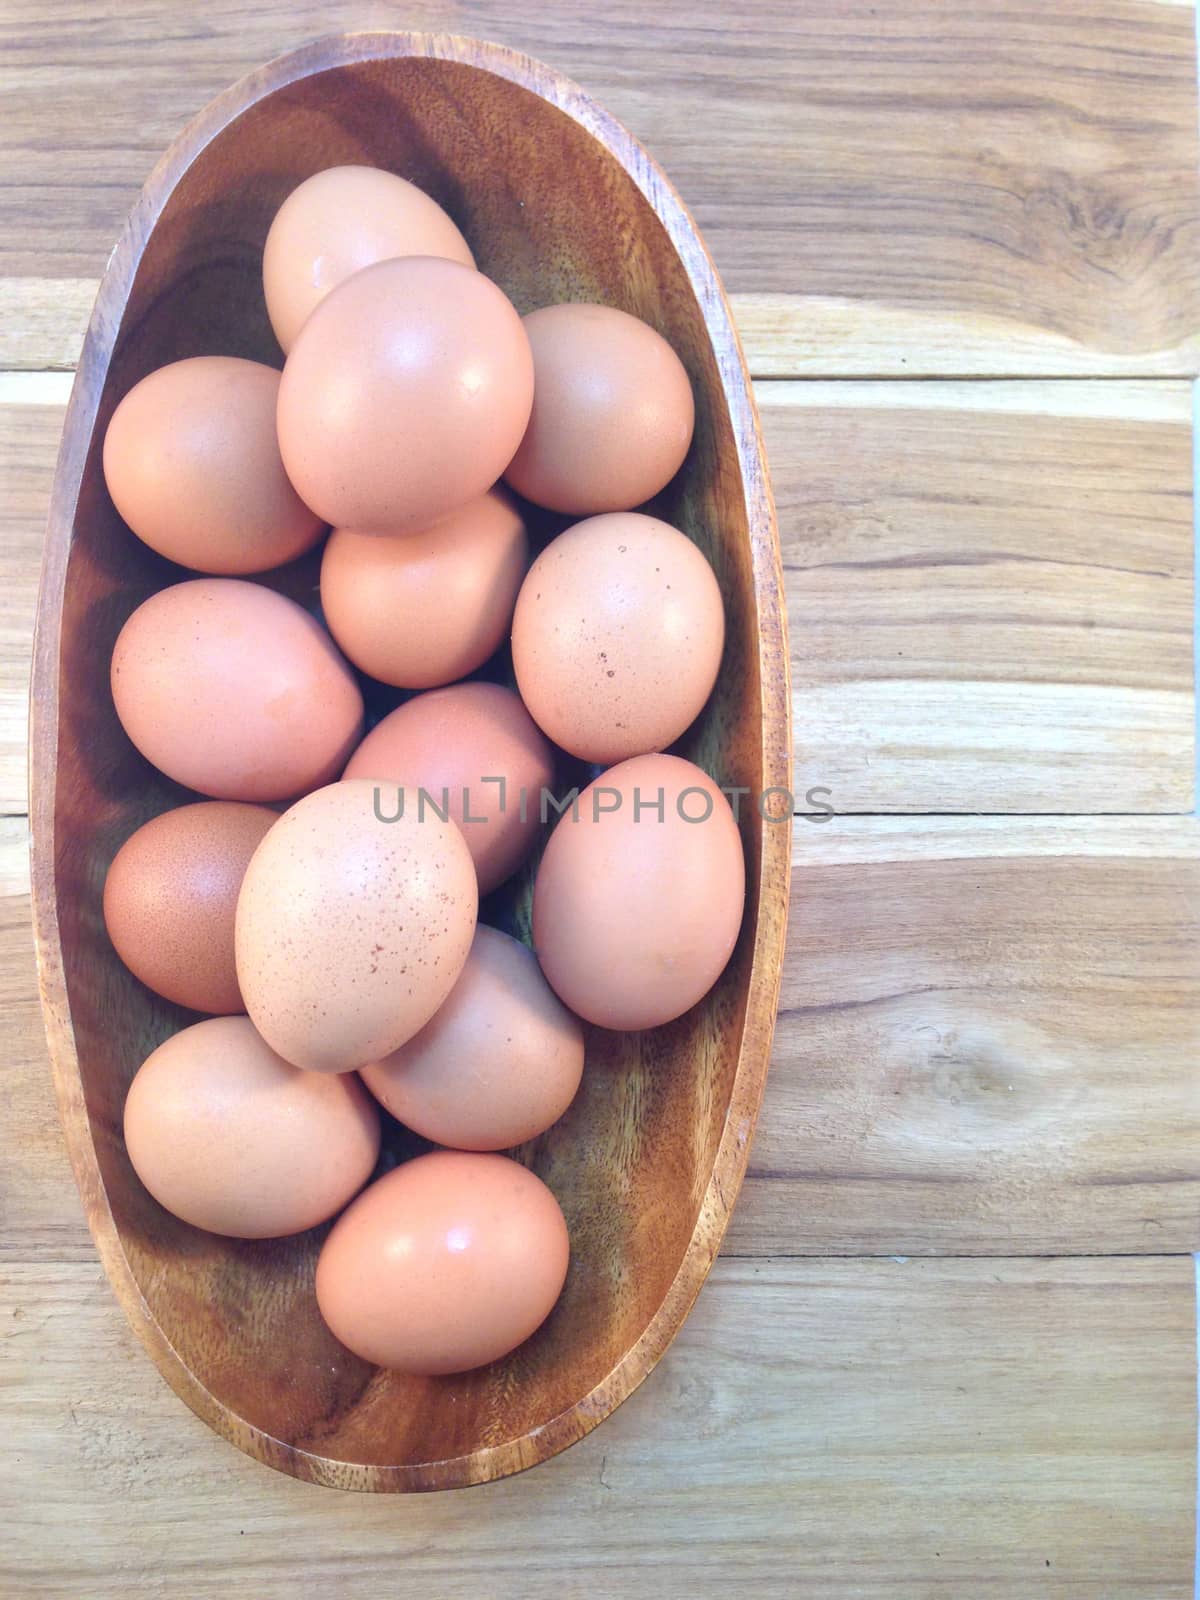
{"x": 559, "y": 203}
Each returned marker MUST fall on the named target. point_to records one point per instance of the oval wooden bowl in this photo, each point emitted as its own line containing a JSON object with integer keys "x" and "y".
{"x": 559, "y": 203}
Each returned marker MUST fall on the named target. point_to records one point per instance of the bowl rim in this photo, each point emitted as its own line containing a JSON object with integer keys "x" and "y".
{"x": 773, "y": 878}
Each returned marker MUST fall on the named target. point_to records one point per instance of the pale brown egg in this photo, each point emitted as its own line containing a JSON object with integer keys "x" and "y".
{"x": 192, "y": 462}
{"x": 639, "y": 897}
{"x": 445, "y": 1264}
{"x": 170, "y": 898}
{"x": 233, "y": 690}
{"x": 498, "y": 1063}
{"x": 427, "y": 608}
{"x": 612, "y": 416}
{"x": 352, "y": 930}
{"x": 230, "y": 1138}
{"x": 339, "y": 221}
{"x": 476, "y": 752}
{"x": 404, "y": 396}
{"x": 617, "y": 636}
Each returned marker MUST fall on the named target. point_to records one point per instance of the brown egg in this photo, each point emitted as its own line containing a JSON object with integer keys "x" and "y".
{"x": 427, "y": 608}
{"x": 612, "y": 412}
{"x": 635, "y": 918}
{"x": 232, "y": 689}
{"x": 404, "y": 396}
{"x": 617, "y": 636}
{"x": 230, "y": 1138}
{"x": 351, "y": 931}
{"x": 447, "y": 1263}
{"x": 192, "y": 462}
{"x": 498, "y": 1063}
{"x": 339, "y": 221}
{"x": 170, "y": 898}
{"x": 474, "y": 749}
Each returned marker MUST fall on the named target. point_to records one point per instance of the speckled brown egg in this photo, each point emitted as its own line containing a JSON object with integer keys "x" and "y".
{"x": 639, "y": 897}
{"x": 339, "y": 221}
{"x": 612, "y": 416}
{"x": 404, "y": 396}
{"x": 230, "y": 1138}
{"x": 170, "y": 898}
{"x": 477, "y": 753}
{"x": 445, "y": 1264}
{"x": 192, "y": 462}
{"x": 234, "y": 690}
{"x": 352, "y": 930}
{"x": 427, "y": 608}
{"x": 499, "y": 1062}
{"x": 617, "y": 636}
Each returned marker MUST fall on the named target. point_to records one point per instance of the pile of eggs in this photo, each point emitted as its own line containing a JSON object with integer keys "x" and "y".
{"x": 320, "y": 904}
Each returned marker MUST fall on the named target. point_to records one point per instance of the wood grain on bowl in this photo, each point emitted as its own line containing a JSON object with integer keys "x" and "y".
{"x": 558, "y": 202}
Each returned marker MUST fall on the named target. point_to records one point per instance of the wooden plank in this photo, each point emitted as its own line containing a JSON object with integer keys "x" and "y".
{"x": 987, "y": 1041}
{"x": 987, "y": 1044}
{"x": 989, "y": 589}
{"x": 990, "y": 592}
{"x": 858, "y": 1430}
{"x": 28, "y": 448}
{"x": 834, "y": 336}
{"x": 928, "y": 188}
{"x": 43, "y": 320}
{"x": 40, "y": 1214}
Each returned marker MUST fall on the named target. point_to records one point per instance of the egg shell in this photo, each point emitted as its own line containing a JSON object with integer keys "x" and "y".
{"x": 351, "y": 931}
{"x": 445, "y": 1264}
{"x": 500, "y": 1061}
{"x": 451, "y": 742}
{"x": 617, "y": 636}
{"x": 170, "y": 898}
{"x": 426, "y": 608}
{"x": 613, "y": 411}
{"x": 404, "y": 396}
{"x": 233, "y": 690}
{"x": 230, "y": 1138}
{"x": 634, "y": 919}
{"x": 339, "y": 221}
{"x": 192, "y": 463}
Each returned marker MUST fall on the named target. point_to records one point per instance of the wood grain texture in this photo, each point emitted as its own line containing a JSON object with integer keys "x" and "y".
{"x": 28, "y": 445}
{"x": 854, "y": 1430}
{"x": 648, "y": 1160}
{"x": 993, "y": 189}
{"x": 987, "y": 1041}
{"x": 989, "y": 594}
{"x": 43, "y": 321}
{"x": 836, "y": 336}
{"x": 40, "y": 1215}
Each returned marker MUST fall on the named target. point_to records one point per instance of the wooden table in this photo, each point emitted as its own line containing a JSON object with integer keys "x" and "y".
{"x": 950, "y": 1348}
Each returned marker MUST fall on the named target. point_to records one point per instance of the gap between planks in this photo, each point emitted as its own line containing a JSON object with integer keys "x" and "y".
{"x": 83, "y": 1253}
